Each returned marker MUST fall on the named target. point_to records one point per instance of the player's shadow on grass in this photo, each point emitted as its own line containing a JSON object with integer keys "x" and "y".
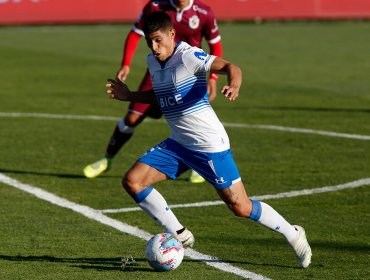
{"x": 72, "y": 176}
{"x": 40, "y": 173}
{"x": 115, "y": 264}
{"x": 59, "y": 175}
{"x": 99, "y": 264}
{"x": 245, "y": 263}
{"x": 341, "y": 246}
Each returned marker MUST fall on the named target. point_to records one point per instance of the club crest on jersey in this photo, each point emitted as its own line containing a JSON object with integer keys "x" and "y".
{"x": 194, "y": 22}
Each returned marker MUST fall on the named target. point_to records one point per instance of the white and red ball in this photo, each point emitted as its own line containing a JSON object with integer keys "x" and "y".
{"x": 164, "y": 252}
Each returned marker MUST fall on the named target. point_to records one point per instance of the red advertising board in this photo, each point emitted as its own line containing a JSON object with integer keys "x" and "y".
{"x": 68, "y": 11}
{"x": 290, "y": 9}
{"x": 94, "y": 11}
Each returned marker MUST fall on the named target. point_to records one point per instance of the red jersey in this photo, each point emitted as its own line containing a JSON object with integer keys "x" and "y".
{"x": 191, "y": 24}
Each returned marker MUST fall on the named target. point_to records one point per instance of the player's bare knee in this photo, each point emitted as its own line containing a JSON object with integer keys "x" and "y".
{"x": 129, "y": 183}
{"x": 240, "y": 210}
{"x": 125, "y": 183}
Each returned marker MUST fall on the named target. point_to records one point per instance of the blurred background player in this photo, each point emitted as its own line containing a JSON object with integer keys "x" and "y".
{"x": 192, "y": 20}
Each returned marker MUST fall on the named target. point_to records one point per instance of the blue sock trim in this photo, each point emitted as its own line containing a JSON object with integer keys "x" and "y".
{"x": 256, "y": 210}
{"x": 140, "y": 196}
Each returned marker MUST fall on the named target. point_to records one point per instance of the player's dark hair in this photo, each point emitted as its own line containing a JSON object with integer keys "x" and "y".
{"x": 156, "y": 21}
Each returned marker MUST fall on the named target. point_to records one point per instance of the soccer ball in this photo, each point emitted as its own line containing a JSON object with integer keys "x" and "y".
{"x": 164, "y": 252}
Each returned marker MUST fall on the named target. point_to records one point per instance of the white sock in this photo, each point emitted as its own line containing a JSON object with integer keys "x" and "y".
{"x": 267, "y": 216}
{"x": 154, "y": 204}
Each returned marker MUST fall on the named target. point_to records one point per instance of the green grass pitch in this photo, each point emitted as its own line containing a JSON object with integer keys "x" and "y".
{"x": 302, "y": 75}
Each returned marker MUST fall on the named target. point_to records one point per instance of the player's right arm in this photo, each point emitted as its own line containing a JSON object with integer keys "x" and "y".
{"x": 119, "y": 90}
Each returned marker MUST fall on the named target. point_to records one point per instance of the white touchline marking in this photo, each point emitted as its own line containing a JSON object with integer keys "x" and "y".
{"x": 123, "y": 227}
{"x": 299, "y": 130}
{"x": 234, "y": 125}
{"x": 350, "y": 185}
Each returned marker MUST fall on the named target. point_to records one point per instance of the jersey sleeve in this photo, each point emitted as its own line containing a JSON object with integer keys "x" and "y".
{"x": 130, "y": 47}
{"x": 210, "y": 29}
{"x": 197, "y": 61}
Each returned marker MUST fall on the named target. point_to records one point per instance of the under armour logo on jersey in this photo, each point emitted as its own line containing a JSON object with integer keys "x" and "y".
{"x": 220, "y": 180}
{"x": 200, "y": 55}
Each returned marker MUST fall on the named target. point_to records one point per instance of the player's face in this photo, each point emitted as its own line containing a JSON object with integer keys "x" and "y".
{"x": 161, "y": 43}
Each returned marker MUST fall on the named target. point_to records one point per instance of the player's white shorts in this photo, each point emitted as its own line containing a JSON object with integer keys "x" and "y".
{"x": 172, "y": 159}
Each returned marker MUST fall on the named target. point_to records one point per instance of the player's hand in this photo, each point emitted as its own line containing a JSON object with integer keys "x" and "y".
{"x": 118, "y": 90}
{"x": 123, "y": 73}
{"x": 212, "y": 89}
{"x": 230, "y": 92}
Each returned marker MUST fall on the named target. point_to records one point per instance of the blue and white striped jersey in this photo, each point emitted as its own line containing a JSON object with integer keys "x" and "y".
{"x": 180, "y": 85}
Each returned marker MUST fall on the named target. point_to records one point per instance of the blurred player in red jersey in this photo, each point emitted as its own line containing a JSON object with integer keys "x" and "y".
{"x": 192, "y": 21}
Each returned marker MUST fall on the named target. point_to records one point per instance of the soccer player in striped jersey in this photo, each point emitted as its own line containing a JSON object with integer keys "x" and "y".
{"x": 198, "y": 139}
{"x": 193, "y": 21}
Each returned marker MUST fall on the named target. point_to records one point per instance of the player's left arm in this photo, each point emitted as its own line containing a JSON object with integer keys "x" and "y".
{"x": 214, "y": 49}
{"x": 234, "y": 77}
{"x": 213, "y": 37}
